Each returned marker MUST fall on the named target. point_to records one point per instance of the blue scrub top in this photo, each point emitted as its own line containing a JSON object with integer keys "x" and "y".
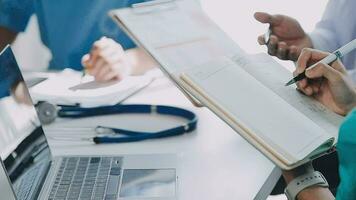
{"x": 346, "y": 148}
{"x": 68, "y": 27}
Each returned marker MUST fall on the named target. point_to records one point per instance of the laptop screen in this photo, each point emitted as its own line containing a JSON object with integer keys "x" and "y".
{"x": 23, "y": 146}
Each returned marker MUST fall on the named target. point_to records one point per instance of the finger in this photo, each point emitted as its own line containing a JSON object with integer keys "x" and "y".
{"x": 104, "y": 71}
{"x": 98, "y": 47}
{"x": 114, "y": 64}
{"x": 100, "y": 43}
{"x": 272, "y": 45}
{"x": 261, "y": 40}
{"x": 265, "y": 18}
{"x": 318, "y": 55}
{"x": 293, "y": 53}
{"x": 108, "y": 56}
{"x": 315, "y": 88}
{"x": 282, "y": 50}
{"x": 308, "y": 90}
{"x": 96, "y": 68}
{"x": 85, "y": 60}
{"x": 298, "y": 86}
{"x": 303, "y": 83}
{"x": 303, "y": 60}
{"x": 309, "y": 56}
{"x": 111, "y": 76}
{"x": 322, "y": 70}
{"x": 304, "y": 89}
{"x": 337, "y": 65}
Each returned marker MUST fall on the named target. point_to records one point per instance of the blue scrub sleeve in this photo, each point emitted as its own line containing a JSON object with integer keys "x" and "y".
{"x": 15, "y": 14}
{"x": 346, "y": 148}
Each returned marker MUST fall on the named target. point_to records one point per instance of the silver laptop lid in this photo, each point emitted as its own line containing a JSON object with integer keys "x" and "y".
{"x": 23, "y": 146}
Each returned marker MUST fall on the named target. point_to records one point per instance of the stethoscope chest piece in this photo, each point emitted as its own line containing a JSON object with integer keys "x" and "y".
{"x": 47, "y": 112}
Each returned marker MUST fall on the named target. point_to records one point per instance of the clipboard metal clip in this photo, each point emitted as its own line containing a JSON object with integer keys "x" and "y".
{"x": 153, "y": 6}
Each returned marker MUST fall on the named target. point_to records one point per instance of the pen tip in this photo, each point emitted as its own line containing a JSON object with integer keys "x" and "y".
{"x": 290, "y": 82}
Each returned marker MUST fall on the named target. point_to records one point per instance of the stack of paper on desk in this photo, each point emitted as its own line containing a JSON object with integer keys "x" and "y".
{"x": 68, "y": 88}
{"x": 249, "y": 94}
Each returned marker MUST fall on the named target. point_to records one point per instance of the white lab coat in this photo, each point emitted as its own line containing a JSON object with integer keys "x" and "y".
{"x": 336, "y": 28}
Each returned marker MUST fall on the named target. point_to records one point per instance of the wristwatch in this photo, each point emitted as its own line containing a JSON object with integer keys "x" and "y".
{"x": 304, "y": 181}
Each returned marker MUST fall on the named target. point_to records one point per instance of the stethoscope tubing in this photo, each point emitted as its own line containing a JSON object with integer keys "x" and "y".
{"x": 123, "y": 135}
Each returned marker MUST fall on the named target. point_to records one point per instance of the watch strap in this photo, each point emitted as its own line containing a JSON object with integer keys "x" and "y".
{"x": 300, "y": 183}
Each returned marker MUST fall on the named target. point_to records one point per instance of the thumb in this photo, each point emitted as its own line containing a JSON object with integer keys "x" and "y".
{"x": 85, "y": 59}
{"x": 266, "y": 18}
{"x": 322, "y": 70}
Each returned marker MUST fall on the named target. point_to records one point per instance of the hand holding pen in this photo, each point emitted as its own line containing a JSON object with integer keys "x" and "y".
{"x": 327, "y": 83}
{"x": 327, "y": 60}
{"x": 106, "y": 61}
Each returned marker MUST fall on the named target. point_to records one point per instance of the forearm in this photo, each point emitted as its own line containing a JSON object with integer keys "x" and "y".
{"x": 326, "y": 34}
{"x": 6, "y": 37}
{"x": 315, "y": 193}
{"x": 140, "y": 61}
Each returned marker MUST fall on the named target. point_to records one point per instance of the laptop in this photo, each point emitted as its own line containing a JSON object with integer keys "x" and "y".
{"x": 29, "y": 171}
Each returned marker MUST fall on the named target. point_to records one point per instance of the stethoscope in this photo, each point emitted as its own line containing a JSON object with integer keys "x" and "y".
{"x": 48, "y": 113}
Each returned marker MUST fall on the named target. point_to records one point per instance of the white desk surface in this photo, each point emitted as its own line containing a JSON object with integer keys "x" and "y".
{"x": 214, "y": 161}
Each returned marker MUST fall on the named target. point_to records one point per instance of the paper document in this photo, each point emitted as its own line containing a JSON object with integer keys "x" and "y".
{"x": 272, "y": 75}
{"x": 258, "y": 109}
{"x": 68, "y": 88}
{"x": 178, "y": 36}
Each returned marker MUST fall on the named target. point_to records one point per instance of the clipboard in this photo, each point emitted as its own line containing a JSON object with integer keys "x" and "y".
{"x": 148, "y": 7}
{"x": 177, "y": 34}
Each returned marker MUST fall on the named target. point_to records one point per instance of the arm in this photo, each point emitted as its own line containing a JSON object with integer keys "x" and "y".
{"x": 6, "y": 37}
{"x": 315, "y": 193}
{"x": 325, "y": 36}
{"x": 329, "y": 85}
{"x": 336, "y": 28}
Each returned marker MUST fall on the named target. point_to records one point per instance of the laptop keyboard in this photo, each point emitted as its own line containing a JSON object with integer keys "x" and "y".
{"x": 87, "y": 178}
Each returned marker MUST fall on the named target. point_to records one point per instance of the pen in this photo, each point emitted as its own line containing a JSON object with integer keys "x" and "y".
{"x": 327, "y": 60}
{"x": 267, "y": 35}
{"x": 84, "y": 73}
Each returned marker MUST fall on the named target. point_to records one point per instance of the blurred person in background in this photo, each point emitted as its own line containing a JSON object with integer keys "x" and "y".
{"x": 79, "y": 34}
